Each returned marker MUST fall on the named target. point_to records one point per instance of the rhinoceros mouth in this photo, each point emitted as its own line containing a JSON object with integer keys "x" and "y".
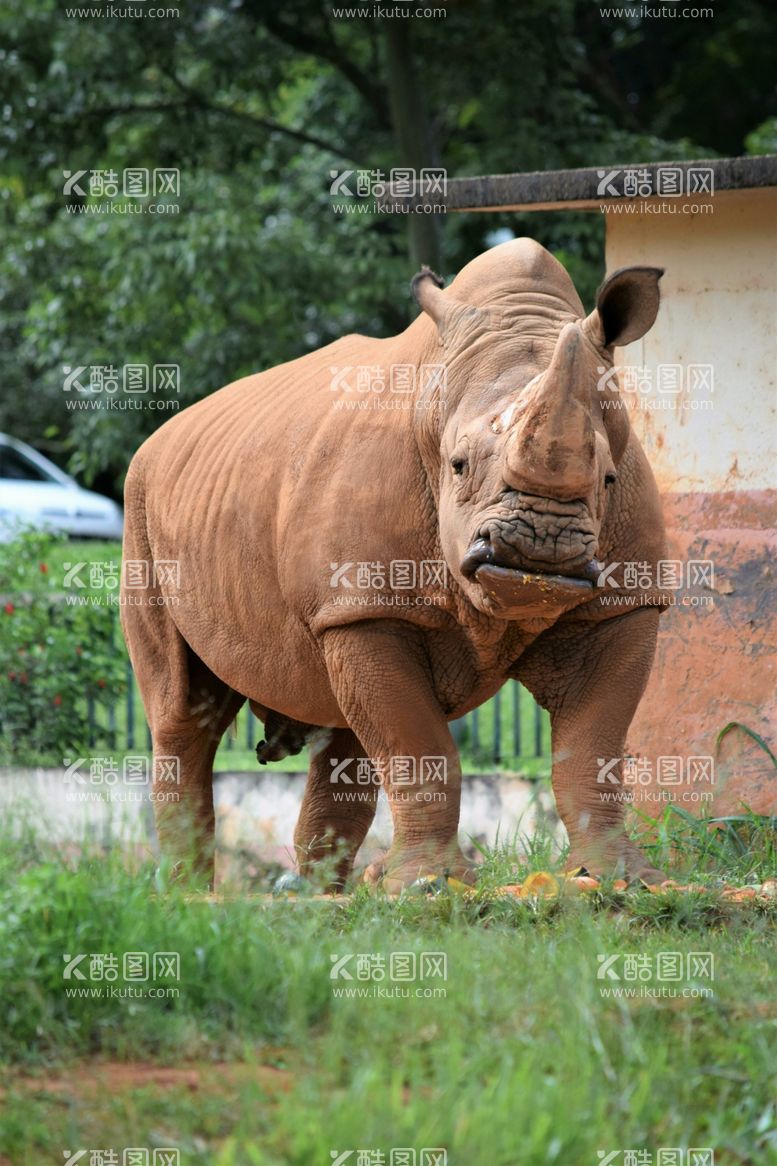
{"x": 481, "y": 556}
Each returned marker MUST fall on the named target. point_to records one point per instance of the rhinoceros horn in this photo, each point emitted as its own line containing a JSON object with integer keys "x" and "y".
{"x": 551, "y": 450}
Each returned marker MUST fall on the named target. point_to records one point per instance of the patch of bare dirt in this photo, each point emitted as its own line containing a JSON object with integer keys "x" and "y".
{"x": 122, "y": 1077}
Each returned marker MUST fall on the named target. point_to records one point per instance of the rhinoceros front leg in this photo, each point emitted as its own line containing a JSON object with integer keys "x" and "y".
{"x": 337, "y": 809}
{"x": 381, "y": 679}
{"x": 591, "y": 676}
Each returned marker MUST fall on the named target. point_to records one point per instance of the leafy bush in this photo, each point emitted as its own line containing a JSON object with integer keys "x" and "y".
{"x": 55, "y": 657}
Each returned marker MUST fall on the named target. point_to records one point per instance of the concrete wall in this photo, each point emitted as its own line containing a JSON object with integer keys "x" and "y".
{"x": 255, "y": 814}
{"x": 715, "y": 465}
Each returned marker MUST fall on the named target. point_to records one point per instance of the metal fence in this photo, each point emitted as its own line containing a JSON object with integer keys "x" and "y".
{"x": 509, "y": 731}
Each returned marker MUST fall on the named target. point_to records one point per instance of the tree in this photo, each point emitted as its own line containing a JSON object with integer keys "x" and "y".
{"x": 257, "y": 106}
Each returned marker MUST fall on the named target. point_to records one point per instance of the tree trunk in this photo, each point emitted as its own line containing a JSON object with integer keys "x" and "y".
{"x": 412, "y": 136}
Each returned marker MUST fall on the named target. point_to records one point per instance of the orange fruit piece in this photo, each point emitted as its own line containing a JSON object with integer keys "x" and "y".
{"x": 739, "y": 894}
{"x": 584, "y": 882}
{"x": 540, "y": 883}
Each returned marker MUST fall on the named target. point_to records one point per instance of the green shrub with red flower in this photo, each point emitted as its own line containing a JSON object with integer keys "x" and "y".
{"x": 54, "y": 657}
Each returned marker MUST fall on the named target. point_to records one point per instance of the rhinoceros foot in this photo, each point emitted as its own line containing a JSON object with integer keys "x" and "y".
{"x": 620, "y": 857}
{"x": 399, "y": 868}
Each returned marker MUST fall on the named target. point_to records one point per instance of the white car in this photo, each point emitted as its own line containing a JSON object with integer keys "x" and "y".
{"x": 36, "y": 493}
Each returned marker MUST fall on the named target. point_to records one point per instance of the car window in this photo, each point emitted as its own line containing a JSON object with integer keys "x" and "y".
{"x": 17, "y": 467}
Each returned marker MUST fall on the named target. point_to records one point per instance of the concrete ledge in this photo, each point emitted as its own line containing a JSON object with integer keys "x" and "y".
{"x": 577, "y": 189}
{"x": 255, "y": 812}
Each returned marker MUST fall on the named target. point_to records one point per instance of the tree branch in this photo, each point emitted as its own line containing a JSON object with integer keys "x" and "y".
{"x": 327, "y": 49}
{"x": 199, "y": 101}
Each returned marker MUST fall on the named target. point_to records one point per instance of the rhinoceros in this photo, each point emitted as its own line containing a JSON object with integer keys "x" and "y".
{"x": 365, "y": 556}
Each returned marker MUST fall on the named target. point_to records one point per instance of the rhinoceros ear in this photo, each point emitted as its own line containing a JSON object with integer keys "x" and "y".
{"x": 426, "y": 287}
{"x": 626, "y": 306}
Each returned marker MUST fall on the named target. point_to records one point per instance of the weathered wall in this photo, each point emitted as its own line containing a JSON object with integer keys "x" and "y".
{"x": 256, "y": 814}
{"x": 714, "y": 455}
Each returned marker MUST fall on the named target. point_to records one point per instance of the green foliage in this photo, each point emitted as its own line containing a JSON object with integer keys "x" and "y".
{"x": 54, "y": 657}
{"x": 257, "y": 106}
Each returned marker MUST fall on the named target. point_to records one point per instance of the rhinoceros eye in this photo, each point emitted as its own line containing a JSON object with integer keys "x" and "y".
{"x": 609, "y": 479}
{"x": 459, "y": 465}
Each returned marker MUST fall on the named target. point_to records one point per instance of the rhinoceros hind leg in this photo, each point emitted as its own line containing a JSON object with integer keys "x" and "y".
{"x": 188, "y": 709}
{"x": 337, "y": 810}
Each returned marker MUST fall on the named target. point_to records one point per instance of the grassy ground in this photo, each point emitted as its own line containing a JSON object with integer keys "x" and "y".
{"x": 517, "y": 1055}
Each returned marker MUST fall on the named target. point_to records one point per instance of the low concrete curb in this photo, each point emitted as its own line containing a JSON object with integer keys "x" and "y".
{"x": 255, "y": 812}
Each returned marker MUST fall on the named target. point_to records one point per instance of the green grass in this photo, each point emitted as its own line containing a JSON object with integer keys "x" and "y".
{"x": 522, "y": 1060}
